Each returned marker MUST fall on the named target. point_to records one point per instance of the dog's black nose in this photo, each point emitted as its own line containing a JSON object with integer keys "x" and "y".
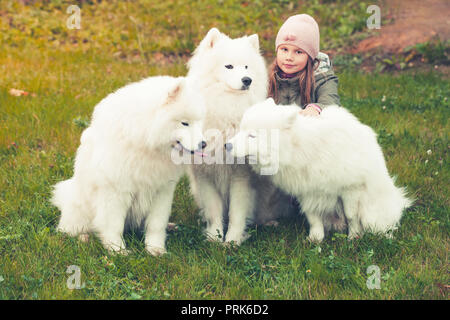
{"x": 228, "y": 146}
{"x": 202, "y": 145}
{"x": 246, "y": 81}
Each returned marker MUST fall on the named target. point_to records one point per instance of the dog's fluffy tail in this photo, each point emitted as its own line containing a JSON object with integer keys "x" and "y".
{"x": 399, "y": 202}
{"x": 399, "y": 196}
{"x": 386, "y": 208}
{"x": 67, "y": 198}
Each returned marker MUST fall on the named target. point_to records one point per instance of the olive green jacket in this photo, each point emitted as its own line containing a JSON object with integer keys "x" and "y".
{"x": 325, "y": 90}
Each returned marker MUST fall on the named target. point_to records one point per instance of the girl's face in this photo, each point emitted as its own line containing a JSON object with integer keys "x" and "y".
{"x": 291, "y": 59}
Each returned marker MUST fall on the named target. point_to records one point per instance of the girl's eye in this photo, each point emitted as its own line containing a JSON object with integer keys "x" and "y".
{"x": 185, "y": 124}
{"x": 229, "y": 66}
{"x": 299, "y": 52}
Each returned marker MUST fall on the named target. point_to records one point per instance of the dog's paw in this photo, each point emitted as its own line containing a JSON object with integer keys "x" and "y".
{"x": 84, "y": 237}
{"x": 316, "y": 237}
{"x": 236, "y": 239}
{"x": 115, "y": 247}
{"x": 118, "y": 251}
{"x": 352, "y": 235}
{"x": 156, "y": 251}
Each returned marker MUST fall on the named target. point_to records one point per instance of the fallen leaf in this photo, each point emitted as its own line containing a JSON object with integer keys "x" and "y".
{"x": 17, "y": 92}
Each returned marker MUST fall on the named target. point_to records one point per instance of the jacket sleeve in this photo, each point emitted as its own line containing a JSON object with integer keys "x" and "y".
{"x": 327, "y": 90}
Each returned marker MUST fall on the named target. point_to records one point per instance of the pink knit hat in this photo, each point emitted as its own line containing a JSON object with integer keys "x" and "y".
{"x": 302, "y": 31}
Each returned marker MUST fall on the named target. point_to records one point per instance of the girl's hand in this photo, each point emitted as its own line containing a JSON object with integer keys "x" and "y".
{"x": 310, "y": 111}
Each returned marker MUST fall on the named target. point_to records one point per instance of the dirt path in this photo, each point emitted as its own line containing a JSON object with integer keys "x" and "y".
{"x": 415, "y": 21}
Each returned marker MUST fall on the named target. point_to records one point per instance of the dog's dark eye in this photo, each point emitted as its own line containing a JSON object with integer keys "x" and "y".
{"x": 229, "y": 66}
{"x": 185, "y": 124}
{"x": 252, "y": 136}
{"x": 246, "y": 67}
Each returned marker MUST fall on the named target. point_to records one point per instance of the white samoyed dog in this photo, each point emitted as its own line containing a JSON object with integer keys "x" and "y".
{"x": 231, "y": 75}
{"x": 123, "y": 167}
{"x": 332, "y": 163}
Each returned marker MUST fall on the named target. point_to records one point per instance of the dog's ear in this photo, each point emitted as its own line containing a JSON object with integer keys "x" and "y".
{"x": 254, "y": 41}
{"x": 175, "y": 92}
{"x": 208, "y": 42}
{"x": 210, "y": 39}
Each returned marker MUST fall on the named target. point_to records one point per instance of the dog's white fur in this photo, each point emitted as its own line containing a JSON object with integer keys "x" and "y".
{"x": 226, "y": 188}
{"x": 123, "y": 166}
{"x": 330, "y": 162}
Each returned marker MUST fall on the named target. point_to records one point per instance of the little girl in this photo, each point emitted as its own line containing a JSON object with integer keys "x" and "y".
{"x": 301, "y": 74}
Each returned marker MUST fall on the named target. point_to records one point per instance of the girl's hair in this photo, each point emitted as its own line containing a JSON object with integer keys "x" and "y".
{"x": 306, "y": 80}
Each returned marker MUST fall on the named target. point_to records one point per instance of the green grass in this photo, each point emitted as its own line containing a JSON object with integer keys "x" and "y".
{"x": 39, "y": 136}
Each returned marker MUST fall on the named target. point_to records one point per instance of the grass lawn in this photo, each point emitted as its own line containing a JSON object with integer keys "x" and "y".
{"x": 66, "y": 76}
